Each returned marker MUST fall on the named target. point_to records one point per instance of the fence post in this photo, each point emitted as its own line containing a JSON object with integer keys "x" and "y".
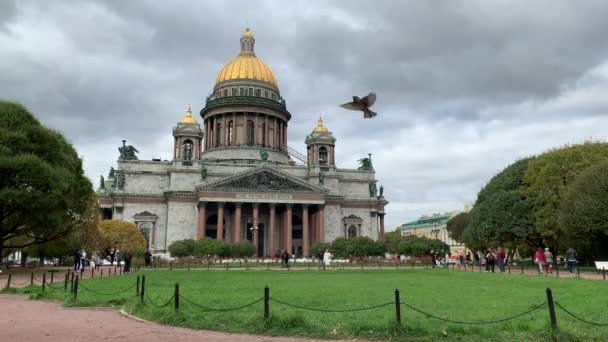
{"x": 604, "y": 272}
{"x": 551, "y": 309}
{"x": 226, "y": 266}
{"x": 522, "y": 268}
{"x": 266, "y": 299}
{"x": 52, "y": 273}
{"x": 176, "y": 300}
{"x": 101, "y": 273}
{"x": 8, "y": 283}
{"x": 557, "y": 268}
{"x": 65, "y": 285}
{"x": 171, "y": 266}
{"x": 92, "y": 272}
{"x": 137, "y": 286}
{"x": 143, "y": 288}
{"x": 72, "y": 283}
{"x": 397, "y": 306}
{"x": 32, "y": 279}
{"x": 509, "y": 267}
{"x": 43, "y": 281}
{"x": 76, "y": 288}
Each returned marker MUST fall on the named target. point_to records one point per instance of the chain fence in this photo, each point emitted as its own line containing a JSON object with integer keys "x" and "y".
{"x": 105, "y": 294}
{"x": 158, "y": 305}
{"x": 329, "y": 310}
{"x": 220, "y": 310}
{"x": 578, "y": 318}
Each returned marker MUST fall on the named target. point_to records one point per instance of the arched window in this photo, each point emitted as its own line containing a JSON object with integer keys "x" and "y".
{"x": 187, "y": 148}
{"x": 266, "y": 93}
{"x": 230, "y": 142}
{"x": 274, "y": 96}
{"x": 225, "y": 92}
{"x": 323, "y": 157}
{"x": 250, "y": 92}
{"x": 233, "y": 91}
{"x": 352, "y": 232}
{"x": 218, "y": 137}
{"x": 250, "y": 132}
{"x": 263, "y": 135}
{"x": 258, "y": 92}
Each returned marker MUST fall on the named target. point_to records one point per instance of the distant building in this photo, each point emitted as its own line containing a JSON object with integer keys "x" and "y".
{"x": 434, "y": 227}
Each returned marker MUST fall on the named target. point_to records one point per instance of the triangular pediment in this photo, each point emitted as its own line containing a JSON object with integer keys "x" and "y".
{"x": 263, "y": 179}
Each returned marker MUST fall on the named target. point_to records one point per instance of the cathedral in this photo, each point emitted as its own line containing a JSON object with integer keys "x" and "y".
{"x": 232, "y": 176}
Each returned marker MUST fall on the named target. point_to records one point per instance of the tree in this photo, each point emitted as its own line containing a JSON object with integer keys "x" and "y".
{"x": 548, "y": 177}
{"x": 319, "y": 247}
{"x": 183, "y": 248}
{"x": 583, "y": 214}
{"x": 392, "y": 240}
{"x": 44, "y": 194}
{"x": 208, "y": 247}
{"x": 242, "y": 249}
{"x": 415, "y": 246}
{"x": 457, "y": 224}
{"x": 120, "y": 235}
{"x": 502, "y": 214}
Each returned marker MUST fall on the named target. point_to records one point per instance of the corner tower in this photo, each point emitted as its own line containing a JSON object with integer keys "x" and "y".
{"x": 188, "y": 138}
{"x": 320, "y": 145}
{"x": 245, "y": 113}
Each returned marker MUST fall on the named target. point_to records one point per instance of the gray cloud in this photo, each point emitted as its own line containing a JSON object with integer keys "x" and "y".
{"x": 464, "y": 88}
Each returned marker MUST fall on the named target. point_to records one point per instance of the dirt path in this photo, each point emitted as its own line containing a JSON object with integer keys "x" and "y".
{"x": 25, "y": 320}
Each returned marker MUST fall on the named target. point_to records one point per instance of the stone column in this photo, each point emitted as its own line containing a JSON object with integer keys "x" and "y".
{"x": 200, "y": 233}
{"x": 234, "y": 141}
{"x": 271, "y": 230}
{"x": 289, "y": 228}
{"x": 346, "y": 230}
{"x": 381, "y": 227}
{"x": 321, "y": 223}
{"x": 266, "y": 131}
{"x": 220, "y": 221}
{"x": 237, "y": 222}
{"x": 305, "y": 232}
{"x": 256, "y": 130}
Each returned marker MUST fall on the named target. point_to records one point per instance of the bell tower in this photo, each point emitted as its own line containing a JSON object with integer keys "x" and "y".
{"x": 320, "y": 145}
{"x": 188, "y": 138}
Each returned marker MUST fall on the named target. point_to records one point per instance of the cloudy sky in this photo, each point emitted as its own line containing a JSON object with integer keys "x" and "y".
{"x": 464, "y": 88}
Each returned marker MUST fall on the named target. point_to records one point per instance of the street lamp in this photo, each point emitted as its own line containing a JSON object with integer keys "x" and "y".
{"x": 254, "y": 231}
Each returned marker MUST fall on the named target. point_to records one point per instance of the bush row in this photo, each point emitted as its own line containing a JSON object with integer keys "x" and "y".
{"x": 208, "y": 247}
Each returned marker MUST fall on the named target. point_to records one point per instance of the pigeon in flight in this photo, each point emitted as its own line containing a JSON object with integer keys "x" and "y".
{"x": 362, "y": 105}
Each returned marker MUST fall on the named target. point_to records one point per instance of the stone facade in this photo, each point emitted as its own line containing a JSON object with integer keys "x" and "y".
{"x": 233, "y": 177}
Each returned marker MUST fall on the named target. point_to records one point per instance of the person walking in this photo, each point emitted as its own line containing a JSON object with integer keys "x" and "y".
{"x": 285, "y": 259}
{"x": 148, "y": 258}
{"x": 327, "y": 259}
{"x": 468, "y": 258}
{"x": 539, "y": 259}
{"x": 83, "y": 259}
{"x": 77, "y": 261}
{"x": 433, "y": 258}
{"x": 548, "y": 261}
{"x": 320, "y": 258}
{"x": 127, "y": 258}
{"x": 477, "y": 259}
{"x": 490, "y": 260}
{"x": 571, "y": 259}
{"x": 500, "y": 258}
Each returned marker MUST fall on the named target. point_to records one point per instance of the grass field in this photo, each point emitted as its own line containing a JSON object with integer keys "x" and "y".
{"x": 455, "y": 295}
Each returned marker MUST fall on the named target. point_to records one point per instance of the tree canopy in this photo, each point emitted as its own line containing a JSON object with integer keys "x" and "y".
{"x": 457, "y": 224}
{"x": 415, "y": 246}
{"x": 44, "y": 194}
{"x": 118, "y": 235}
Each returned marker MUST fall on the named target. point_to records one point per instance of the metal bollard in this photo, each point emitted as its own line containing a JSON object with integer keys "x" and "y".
{"x": 92, "y": 272}
{"x": 137, "y": 286}
{"x": 266, "y": 300}
{"x": 604, "y": 272}
{"x": 65, "y": 285}
{"x": 76, "y": 288}
{"x": 551, "y": 309}
{"x": 72, "y": 283}
{"x": 397, "y": 306}
{"x": 43, "y": 281}
{"x": 143, "y": 288}
{"x": 32, "y": 279}
{"x": 8, "y": 283}
{"x": 52, "y": 273}
{"x": 176, "y": 299}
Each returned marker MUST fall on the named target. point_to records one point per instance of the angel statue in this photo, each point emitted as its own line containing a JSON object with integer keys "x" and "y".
{"x": 102, "y": 183}
{"x": 321, "y": 177}
{"x": 366, "y": 163}
{"x": 263, "y": 154}
{"x": 127, "y": 152}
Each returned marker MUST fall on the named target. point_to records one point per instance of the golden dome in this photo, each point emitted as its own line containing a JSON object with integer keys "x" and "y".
{"x": 188, "y": 119}
{"x": 320, "y": 128}
{"x": 246, "y": 66}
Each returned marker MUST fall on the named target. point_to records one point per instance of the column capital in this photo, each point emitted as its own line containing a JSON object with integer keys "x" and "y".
{"x": 304, "y": 206}
{"x": 289, "y": 205}
{"x": 201, "y": 204}
{"x": 238, "y": 204}
{"x": 220, "y": 204}
{"x": 272, "y": 205}
{"x": 255, "y": 205}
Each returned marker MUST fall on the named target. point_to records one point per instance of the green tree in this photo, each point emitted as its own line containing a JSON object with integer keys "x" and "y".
{"x": 319, "y": 247}
{"x": 208, "y": 247}
{"x": 183, "y": 248}
{"x": 548, "y": 177}
{"x": 502, "y": 214}
{"x": 342, "y": 247}
{"x": 392, "y": 240}
{"x": 415, "y": 246}
{"x": 118, "y": 235}
{"x": 457, "y": 224}
{"x": 44, "y": 194}
{"x": 243, "y": 249}
{"x": 583, "y": 214}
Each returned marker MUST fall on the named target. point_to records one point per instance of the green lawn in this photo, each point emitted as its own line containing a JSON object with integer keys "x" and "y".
{"x": 455, "y": 295}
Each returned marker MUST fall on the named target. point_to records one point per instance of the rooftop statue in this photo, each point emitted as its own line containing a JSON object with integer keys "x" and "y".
{"x": 102, "y": 183}
{"x": 381, "y": 190}
{"x": 127, "y": 152}
{"x": 111, "y": 174}
{"x": 203, "y": 173}
{"x": 366, "y": 163}
{"x": 263, "y": 154}
{"x": 321, "y": 177}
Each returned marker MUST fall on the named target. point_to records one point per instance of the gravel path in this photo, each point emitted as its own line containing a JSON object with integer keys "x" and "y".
{"x": 24, "y": 320}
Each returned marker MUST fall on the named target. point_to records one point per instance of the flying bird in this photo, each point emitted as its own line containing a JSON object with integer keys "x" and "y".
{"x": 362, "y": 105}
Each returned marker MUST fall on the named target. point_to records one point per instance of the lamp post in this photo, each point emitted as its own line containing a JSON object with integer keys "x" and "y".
{"x": 254, "y": 232}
